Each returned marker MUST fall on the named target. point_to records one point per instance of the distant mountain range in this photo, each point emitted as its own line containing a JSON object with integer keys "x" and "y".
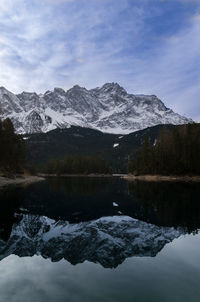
{"x": 108, "y": 108}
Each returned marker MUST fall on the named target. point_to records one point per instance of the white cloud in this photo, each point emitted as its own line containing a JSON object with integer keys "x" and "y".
{"x": 51, "y": 43}
{"x": 173, "y": 71}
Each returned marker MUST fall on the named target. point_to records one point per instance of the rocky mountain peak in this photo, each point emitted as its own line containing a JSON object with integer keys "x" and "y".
{"x": 76, "y": 89}
{"x": 3, "y": 90}
{"x": 108, "y": 108}
{"x": 111, "y": 88}
{"x": 59, "y": 90}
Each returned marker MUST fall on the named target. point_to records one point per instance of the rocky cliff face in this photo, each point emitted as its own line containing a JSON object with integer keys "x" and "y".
{"x": 108, "y": 240}
{"x": 108, "y": 108}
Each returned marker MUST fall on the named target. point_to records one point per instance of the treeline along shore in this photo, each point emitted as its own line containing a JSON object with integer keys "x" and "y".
{"x": 12, "y": 150}
{"x": 13, "y": 157}
{"x": 74, "y": 164}
{"x": 174, "y": 153}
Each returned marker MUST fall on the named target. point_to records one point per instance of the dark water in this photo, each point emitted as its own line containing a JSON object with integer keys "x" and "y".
{"x": 100, "y": 239}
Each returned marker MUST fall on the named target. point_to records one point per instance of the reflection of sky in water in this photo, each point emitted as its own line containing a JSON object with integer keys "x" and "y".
{"x": 173, "y": 275}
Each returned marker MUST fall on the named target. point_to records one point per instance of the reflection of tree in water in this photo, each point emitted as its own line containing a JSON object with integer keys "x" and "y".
{"x": 171, "y": 204}
{"x": 78, "y": 185}
{"x": 75, "y": 198}
{"x": 11, "y": 200}
{"x": 83, "y": 199}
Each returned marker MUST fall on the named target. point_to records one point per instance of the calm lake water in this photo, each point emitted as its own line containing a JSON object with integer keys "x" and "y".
{"x": 100, "y": 239}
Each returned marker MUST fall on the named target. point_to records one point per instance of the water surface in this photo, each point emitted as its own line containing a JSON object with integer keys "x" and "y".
{"x": 100, "y": 239}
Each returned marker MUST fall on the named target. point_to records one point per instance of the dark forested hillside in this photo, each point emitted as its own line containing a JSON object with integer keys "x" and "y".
{"x": 12, "y": 149}
{"x": 162, "y": 149}
{"x": 175, "y": 152}
{"x": 74, "y": 164}
{"x": 114, "y": 149}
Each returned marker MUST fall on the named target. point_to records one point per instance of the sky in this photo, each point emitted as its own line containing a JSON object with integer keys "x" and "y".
{"x": 147, "y": 46}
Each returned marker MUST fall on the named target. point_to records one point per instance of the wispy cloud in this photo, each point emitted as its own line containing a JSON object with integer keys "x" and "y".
{"x": 48, "y": 43}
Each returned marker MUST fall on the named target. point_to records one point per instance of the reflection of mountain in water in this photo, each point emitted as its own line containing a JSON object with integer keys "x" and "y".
{"x": 138, "y": 218}
{"x": 84, "y": 199}
{"x": 108, "y": 240}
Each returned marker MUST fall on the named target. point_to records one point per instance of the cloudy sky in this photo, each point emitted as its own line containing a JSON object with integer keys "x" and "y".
{"x": 147, "y": 46}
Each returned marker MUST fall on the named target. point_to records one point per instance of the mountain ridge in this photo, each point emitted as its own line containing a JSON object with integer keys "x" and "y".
{"x": 109, "y": 109}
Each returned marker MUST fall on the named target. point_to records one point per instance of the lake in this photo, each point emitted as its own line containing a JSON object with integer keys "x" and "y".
{"x": 100, "y": 239}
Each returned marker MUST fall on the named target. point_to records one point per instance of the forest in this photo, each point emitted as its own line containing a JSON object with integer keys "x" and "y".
{"x": 74, "y": 164}
{"x": 12, "y": 149}
{"x": 174, "y": 152}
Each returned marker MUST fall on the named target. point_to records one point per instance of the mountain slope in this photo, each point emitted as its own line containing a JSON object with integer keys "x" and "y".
{"x": 115, "y": 149}
{"x": 108, "y": 108}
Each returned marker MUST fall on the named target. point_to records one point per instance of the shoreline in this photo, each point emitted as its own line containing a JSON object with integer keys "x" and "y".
{"x": 74, "y": 175}
{"x": 161, "y": 178}
{"x": 18, "y": 180}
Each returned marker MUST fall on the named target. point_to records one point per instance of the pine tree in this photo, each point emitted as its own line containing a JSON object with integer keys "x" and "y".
{"x": 12, "y": 149}
{"x": 176, "y": 152}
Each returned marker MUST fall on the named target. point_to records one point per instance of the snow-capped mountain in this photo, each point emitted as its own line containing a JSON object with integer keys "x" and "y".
{"x": 108, "y": 240}
{"x": 108, "y": 108}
